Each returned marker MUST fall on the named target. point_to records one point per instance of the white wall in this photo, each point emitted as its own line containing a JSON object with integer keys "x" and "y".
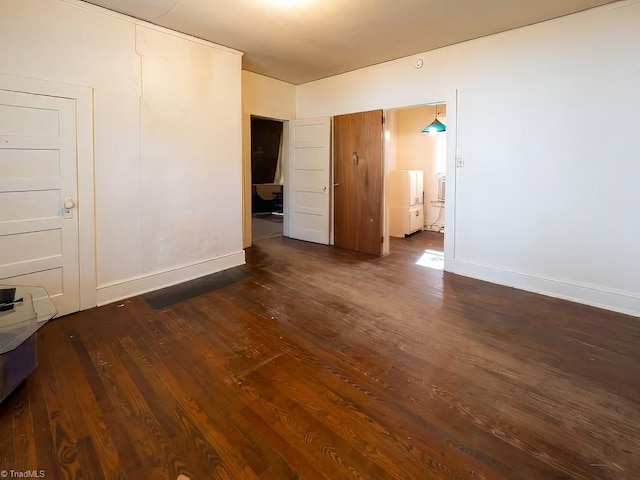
{"x": 167, "y": 131}
{"x": 268, "y": 98}
{"x": 548, "y": 197}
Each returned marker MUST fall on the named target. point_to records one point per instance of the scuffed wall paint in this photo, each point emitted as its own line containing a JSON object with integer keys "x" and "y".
{"x": 167, "y": 156}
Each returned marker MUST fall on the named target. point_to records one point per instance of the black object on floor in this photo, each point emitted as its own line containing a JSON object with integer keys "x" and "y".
{"x": 184, "y": 291}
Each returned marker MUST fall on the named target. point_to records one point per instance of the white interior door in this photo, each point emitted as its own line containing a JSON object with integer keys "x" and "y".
{"x": 309, "y": 180}
{"x": 38, "y": 192}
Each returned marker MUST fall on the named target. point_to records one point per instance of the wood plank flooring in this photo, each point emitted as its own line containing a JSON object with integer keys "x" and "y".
{"x": 324, "y": 363}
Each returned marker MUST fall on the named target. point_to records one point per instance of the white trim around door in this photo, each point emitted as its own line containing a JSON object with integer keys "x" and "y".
{"x": 83, "y": 97}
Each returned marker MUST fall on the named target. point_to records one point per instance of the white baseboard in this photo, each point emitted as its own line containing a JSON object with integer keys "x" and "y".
{"x": 617, "y": 301}
{"x": 136, "y": 286}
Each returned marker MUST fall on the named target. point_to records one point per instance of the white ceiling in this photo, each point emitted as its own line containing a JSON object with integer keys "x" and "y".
{"x": 319, "y": 38}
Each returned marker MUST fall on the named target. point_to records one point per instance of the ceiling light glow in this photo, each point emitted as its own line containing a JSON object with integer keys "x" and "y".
{"x": 284, "y": 3}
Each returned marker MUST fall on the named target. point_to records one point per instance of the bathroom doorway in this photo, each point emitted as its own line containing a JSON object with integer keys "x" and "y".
{"x": 267, "y": 179}
{"x": 416, "y": 163}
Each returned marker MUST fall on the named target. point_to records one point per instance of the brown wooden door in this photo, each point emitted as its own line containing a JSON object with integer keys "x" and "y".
{"x": 358, "y": 173}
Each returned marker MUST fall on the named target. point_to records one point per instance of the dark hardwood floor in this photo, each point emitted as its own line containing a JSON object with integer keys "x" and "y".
{"x": 323, "y": 363}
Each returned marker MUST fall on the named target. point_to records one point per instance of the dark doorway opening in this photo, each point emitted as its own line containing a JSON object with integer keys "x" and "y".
{"x": 267, "y": 207}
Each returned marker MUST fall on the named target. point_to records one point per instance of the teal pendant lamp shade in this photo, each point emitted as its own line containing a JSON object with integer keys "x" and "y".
{"x": 435, "y": 126}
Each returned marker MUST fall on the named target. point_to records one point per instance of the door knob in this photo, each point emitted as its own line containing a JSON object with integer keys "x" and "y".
{"x": 336, "y": 184}
{"x": 68, "y": 205}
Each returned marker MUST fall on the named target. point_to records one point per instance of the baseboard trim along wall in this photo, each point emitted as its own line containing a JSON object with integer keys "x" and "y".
{"x": 137, "y": 286}
{"x": 617, "y": 301}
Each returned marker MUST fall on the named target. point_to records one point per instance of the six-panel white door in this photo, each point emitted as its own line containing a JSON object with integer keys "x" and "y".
{"x": 38, "y": 192}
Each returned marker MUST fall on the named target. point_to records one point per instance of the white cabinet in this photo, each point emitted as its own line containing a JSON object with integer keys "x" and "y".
{"x": 406, "y": 202}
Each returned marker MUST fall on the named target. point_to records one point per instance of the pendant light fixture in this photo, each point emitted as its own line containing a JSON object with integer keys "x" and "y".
{"x": 435, "y": 126}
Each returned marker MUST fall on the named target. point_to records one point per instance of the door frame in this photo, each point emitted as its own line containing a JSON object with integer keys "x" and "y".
{"x": 247, "y": 229}
{"x": 83, "y": 97}
{"x": 450, "y": 97}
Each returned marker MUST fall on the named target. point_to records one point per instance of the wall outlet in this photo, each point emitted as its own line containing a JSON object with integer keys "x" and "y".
{"x": 459, "y": 162}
